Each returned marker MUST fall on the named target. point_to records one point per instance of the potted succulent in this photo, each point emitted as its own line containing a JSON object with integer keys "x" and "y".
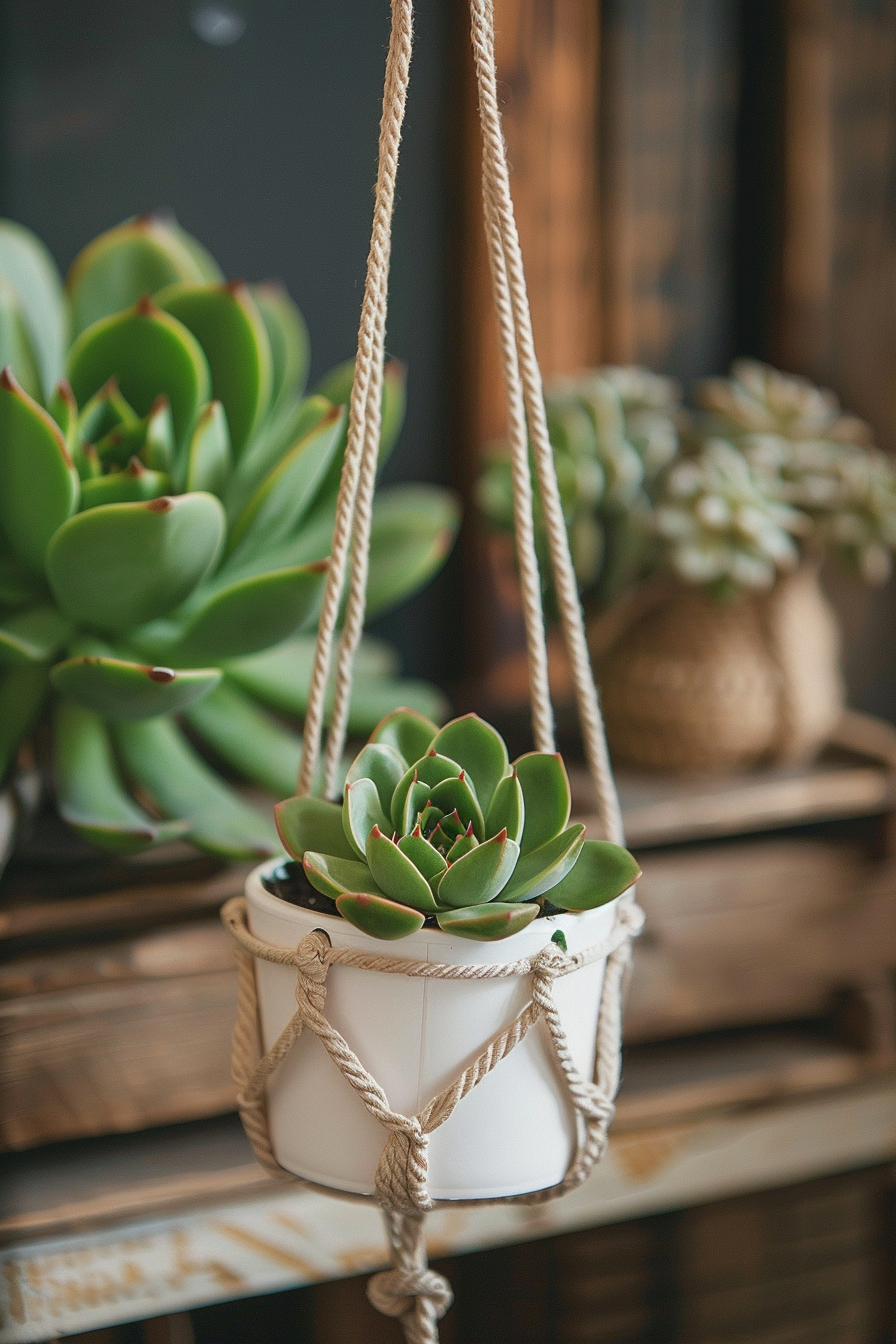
{"x": 441, "y": 842}
{"x": 715, "y": 645}
{"x": 167, "y": 495}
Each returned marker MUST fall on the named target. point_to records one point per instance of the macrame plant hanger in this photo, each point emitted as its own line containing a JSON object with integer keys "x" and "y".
{"x": 409, "y": 1290}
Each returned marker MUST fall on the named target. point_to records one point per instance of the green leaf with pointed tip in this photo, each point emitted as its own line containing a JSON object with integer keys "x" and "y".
{"x": 458, "y": 795}
{"x": 131, "y": 486}
{"x": 137, "y": 257}
{"x": 311, "y": 823}
{"x": 507, "y": 810}
{"x": 416, "y": 803}
{"x": 248, "y": 615}
{"x": 602, "y": 872}
{"x": 464, "y": 844}
{"x": 429, "y": 770}
{"x": 26, "y": 263}
{"x": 269, "y": 447}
{"x": 16, "y": 349}
{"x": 361, "y": 811}
{"x": 33, "y": 636}
{"x": 413, "y": 531}
{"x": 159, "y": 757}
{"x": 487, "y": 923}
{"x": 121, "y": 445}
{"x": 337, "y": 387}
{"x": 256, "y": 744}
{"x": 288, "y": 339}
{"x": 207, "y": 462}
{"x": 150, "y": 353}
{"x": 118, "y": 566}
{"x": 64, "y": 410}
{"x": 395, "y": 874}
{"x": 158, "y": 443}
{"x": 92, "y": 797}
{"x": 379, "y": 917}
{"x": 542, "y": 868}
{"x": 38, "y": 482}
{"x": 480, "y": 875}
{"x": 428, "y": 861}
{"x": 479, "y": 750}
{"x": 230, "y": 329}
{"x": 546, "y": 796}
{"x": 383, "y": 765}
{"x": 121, "y": 690}
{"x": 22, "y": 692}
{"x": 335, "y": 877}
{"x": 284, "y": 496}
{"x": 104, "y": 411}
{"x": 409, "y": 732}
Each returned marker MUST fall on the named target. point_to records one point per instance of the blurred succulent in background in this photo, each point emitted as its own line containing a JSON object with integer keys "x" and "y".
{"x": 437, "y": 824}
{"x": 808, "y": 454}
{"x": 166, "y": 510}
{"x": 613, "y": 431}
{"x": 728, "y": 498}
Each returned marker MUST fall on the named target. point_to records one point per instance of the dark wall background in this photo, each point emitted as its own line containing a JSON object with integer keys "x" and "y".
{"x": 265, "y": 148}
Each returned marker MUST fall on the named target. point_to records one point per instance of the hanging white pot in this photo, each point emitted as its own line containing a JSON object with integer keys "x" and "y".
{"x": 515, "y": 1132}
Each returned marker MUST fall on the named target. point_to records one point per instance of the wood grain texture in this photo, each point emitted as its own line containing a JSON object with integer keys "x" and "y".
{"x": 837, "y": 308}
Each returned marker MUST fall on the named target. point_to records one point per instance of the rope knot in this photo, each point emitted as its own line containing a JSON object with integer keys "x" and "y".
{"x": 312, "y": 963}
{"x": 395, "y": 1292}
{"x": 402, "y": 1169}
{"x": 593, "y": 1105}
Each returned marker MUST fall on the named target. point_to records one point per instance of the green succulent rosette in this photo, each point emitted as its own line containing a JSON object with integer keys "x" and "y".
{"x": 437, "y": 823}
{"x": 167, "y": 498}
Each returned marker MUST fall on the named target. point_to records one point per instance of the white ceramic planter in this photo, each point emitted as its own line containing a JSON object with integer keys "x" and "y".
{"x": 514, "y": 1133}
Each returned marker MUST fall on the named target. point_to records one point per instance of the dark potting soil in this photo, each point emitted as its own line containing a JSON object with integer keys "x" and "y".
{"x": 290, "y": 883}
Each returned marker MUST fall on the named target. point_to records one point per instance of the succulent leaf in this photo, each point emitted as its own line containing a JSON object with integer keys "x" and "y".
{"x": 158, "y": 756}
{"x": 409, "y": 732}
{"x": 335, "y": 877}
{"x": 240, "y": 619}
{"x": 380, "y": 917}
{"x": 64, "y": 410}
{"x": 430, "y": 770}
{"x": 38, "y": 483}
{"x": 137, "y": 257}
{"x": 427, "y": 860}
{"x": 480, "y": 875}
{"x": 413, "y": 529}
{"x": 541, "y": 869}
{"x": 33, "y": 636}
{"x": 92, "y": 796}
{"x": 122, "y": 690}
{"x": 396, "y": 874}
{"x": 457, "y": 795}
{"x": 16, "y": 350}
{"x": 22, "y": 693}
{"x": 479, "y": 750}
{"x": 123, "y": 564}
{"x": 383, "y": 765}
{"x": 507, "y": 810}
{"x": 208, "y": 458}
{"x": 487, "y": 923}
{"x": 149, "y": 352}
{"x": 269, "y": 447}
{"x": 27, "y": 265}
{"x": 258, "y": 746}
{"x": 288, "y": 340}
{"x": 134, "y": 485}
{"x": 546, "y": 797}
{"x": 361, "y": 811}
{"x": 234, "y": 339}
{"x": 311, "y": 823}
{"x": 602, "y": 872}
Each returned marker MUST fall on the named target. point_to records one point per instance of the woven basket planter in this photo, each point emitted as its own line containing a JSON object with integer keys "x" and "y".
{"x": 698, "y": 685}
{"x": 513, "y": 1133}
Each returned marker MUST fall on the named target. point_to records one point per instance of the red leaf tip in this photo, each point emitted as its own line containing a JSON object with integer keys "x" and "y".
{"x": 161, "y": 674}
{"x": 163, "y": 504}
{"x": 7, "y": 380}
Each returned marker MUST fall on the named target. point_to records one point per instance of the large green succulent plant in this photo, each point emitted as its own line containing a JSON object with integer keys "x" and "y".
{"x": 437, "y": 823}
{"x": 167, "y": 497}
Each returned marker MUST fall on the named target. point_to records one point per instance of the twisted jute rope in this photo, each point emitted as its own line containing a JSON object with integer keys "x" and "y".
{"x": 409, "y": 1290}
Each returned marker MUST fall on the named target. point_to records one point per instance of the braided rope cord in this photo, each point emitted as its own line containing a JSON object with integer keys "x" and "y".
{"x": 409, "y": 1290}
